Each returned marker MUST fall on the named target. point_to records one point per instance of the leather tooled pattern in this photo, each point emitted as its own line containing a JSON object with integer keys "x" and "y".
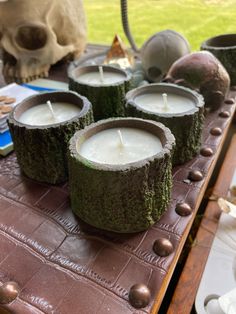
{"x": 62, "y": 264}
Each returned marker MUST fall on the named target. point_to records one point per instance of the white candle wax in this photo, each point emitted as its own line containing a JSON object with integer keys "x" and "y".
{"x": 94, "y": 78}
{"x": 154, "y": 102}
{"x": 42, "y": 115}
{"x": 105, "y": 147}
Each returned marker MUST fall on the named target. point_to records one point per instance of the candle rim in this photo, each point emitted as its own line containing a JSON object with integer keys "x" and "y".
{"x": 197, "y": 98}
{"x": 104, "y": 125}
{"x": 208, "y": 45}
{"x": 85, "y": 106}
{"x": 95, "y": 68}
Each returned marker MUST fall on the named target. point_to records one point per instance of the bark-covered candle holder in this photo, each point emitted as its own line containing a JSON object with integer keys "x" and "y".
{"x": 223, "y": 47}
{"x": 108, "y": 99}
{"x": 121, "y": 198}
{"x": 42, "y": 150}
{"x": 186, "y": 126}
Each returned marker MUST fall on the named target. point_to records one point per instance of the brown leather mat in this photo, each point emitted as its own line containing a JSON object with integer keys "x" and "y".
{"x": 65, "y": 266}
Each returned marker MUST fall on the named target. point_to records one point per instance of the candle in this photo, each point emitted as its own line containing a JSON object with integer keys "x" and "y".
{"x": 42, "y": 114}
{"x": 178, "y": 108}
{"x": 158, "y": 103}
{"x": 104, "y": 86}
{"x": 108, "y": 147}
{"x": 101, "y": 77}
{"x": 41, "y": 127}
{"x": 120, "y": 173}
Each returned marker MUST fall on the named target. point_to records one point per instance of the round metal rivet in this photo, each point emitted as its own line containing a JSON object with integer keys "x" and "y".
{"x": 139, "y": 296}
{"x": 230, "y": 101}
{"x": 195, "y": 175}
{"x": 183, "y": 209}
{"x": 163, "y": 247}
{"x": 9, "y": 292}
{"x": 224, "y": 114}
{"x": 206, "y": 151}
{"x": 216, "y": 131}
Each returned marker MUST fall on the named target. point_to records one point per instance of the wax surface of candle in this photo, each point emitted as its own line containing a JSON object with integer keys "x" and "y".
{"x": 153, "y": 102}
{"x": 94, "y": 78}
{"x": 106, "y": 146}
{"x": 41, "y": 114}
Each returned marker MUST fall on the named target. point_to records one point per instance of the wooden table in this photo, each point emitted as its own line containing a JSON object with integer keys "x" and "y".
{"x": 132, "y": 254}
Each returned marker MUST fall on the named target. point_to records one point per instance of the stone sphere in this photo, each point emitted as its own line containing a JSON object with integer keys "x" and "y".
{"x": 160, "y": 51}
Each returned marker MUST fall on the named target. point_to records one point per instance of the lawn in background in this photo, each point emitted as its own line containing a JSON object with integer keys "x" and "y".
{"x": 197, "y": 20}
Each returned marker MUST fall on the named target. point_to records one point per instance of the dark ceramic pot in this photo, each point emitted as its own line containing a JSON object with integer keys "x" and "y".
{"x": 223, "y": 47}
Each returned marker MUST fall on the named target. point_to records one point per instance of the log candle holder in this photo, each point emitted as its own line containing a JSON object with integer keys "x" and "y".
{"x": 41, "y": 149}
{"x": 125, "y": 191}
{"x": 178, "y": 108}
{"x": 104, "y": 86}
{"x": 223, "y": 47}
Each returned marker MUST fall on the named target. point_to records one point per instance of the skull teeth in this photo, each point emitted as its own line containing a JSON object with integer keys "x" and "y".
{"x": 11, "y": 74}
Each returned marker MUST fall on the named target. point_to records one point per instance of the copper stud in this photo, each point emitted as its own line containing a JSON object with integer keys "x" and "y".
{"x": 206, "y": 151}
{"x": 224, "y": 114}
{"x": 163, "y": 247}
{"x": 229, "y": 101}
{"x": 183, "y": 209}
{"x": 216, "y": 131}
{"x": 9, "y": 292}
{"x": 139, "y": 296}
{"x": 195, "y": 175}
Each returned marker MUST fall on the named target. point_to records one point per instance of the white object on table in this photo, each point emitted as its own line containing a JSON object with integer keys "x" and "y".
{"x": 105, "y": 146}
{"x": 41, "y": 115}
{"x": 213, "y": 307}
{"x": 228, "y": 302}
{"x": 219, "y": 275}
{"x": 155, "y": 102}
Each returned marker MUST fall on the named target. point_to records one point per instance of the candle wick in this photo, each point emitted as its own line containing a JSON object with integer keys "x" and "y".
{"x": 121, "y": 139}
{"x": 165, "y": 107}
{"x": 101, "y": 74}
{"x": 49, "y": 104}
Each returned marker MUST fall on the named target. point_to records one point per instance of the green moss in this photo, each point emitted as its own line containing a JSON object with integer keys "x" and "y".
{"x": 42, "y": 152}
{"x": 107, "y": 101}
{"x": 121, "y": 201}
{"x": 186, "y": 129}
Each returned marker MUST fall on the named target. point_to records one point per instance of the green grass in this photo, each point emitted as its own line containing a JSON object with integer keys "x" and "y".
{"x": 197, "y": 20}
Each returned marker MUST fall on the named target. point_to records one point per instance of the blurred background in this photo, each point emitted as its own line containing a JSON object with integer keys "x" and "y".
{"x": 197, "y": 20}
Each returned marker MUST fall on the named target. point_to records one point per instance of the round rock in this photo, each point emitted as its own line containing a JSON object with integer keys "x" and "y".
{"x": 183, "y": 209}
{"x": 139, "y": 296}
{"x": 9, "y": 292}
{"x": 163, "y": 247}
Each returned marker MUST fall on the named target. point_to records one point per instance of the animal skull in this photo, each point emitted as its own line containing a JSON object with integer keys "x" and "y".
{"x": 36, "y": 34}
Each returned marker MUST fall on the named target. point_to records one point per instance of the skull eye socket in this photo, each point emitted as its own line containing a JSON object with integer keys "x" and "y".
{"x": 31, "y": 37}
{"x": 154, "y": 74}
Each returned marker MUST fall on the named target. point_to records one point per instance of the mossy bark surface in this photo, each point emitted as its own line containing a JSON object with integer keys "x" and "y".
{"x": 107, "y": 100}
{"x": 226, "y": 55}
{"x": 121, "y": 200}
{"x": 186, "y": 127}
{"x": 42, "y": 151}
{"x": 187, "y": 130}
